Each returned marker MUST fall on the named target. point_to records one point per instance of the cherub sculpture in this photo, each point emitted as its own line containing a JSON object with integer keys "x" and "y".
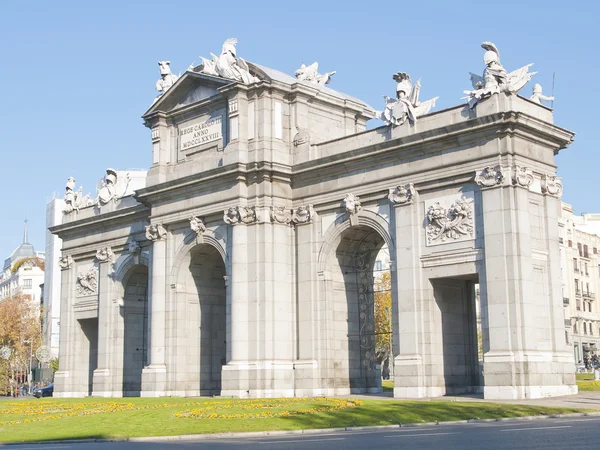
{"x": 167, "y": 79}
{"x": 227, "y": 65}
{"x": 406, "y": 105}
{"x": 312, "y": 75}
{"x": 495, "y": 79}
{"x": 538, "y": 96}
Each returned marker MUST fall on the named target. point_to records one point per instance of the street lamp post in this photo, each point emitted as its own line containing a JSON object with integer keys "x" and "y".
{"x": 30, "y": 342}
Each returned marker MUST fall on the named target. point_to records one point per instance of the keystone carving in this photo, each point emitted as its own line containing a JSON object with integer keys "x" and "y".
{"x": 490, "y": 176}
{"x": 452, "y": 223}
{"x": 352, "y": 204}
{"x": 551, "y": 185}
{"x": 402, "y": 194}
{"x": 281, "y": 214}
{"x": 198, "y": 227}
{"x": 105, "y": 254}
{"x": 87, "y": 283}
{"x": 522, "y": 176}
{"x": 65, "y": 262}
{"x": 303, "y": 214}
{"x": 155, "y": 232}
{"x": 134, "y": 247}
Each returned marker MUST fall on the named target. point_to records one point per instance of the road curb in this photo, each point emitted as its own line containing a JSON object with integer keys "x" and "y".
{"x": 314, "y": 431}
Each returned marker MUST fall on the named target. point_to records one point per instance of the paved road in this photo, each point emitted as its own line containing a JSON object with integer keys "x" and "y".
{"x": 571, "y": 433}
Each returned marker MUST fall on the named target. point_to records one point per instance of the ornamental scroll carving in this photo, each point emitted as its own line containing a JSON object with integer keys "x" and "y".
{"x": 402, "y": 194}
{"x": 87, "y": 283}
{"x": 490, "y": 176}
{"x": 65, "y": 262}
{"x": 450, "y": 223}
{"x": 552, "y": 185}
{"x": 155, "y": 232}
{"x": 522, "y": 176}
{"x": 303, "y": 214}
{"x": 239, "y": 214}
{"x": 280, "y": 214}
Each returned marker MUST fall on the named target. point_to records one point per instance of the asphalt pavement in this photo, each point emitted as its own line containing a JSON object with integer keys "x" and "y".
{"x": 571, "y": 433}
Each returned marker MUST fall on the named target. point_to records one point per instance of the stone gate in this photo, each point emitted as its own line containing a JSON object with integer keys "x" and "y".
{"x": 244, "y": 266}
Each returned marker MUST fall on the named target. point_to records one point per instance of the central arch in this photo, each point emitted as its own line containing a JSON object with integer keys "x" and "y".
{"x": 201, "y": 316}
{"x": 347, "y": 261}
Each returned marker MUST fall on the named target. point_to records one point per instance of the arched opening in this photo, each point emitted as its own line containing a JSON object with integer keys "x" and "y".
{"x": 135, "y": 329}
{"x": 202, "y": 317}
{"x": 351, "y": 267}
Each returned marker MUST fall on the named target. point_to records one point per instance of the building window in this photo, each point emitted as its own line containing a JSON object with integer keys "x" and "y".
{"x": 27, "y": 283}
{"x": 585, "y": 251}
{"x": 580, "y": 249}
{"x": 570, "y": 243}
{"x": 378, "y": 266}
{"x": 575, "y": 328}
{"x": 575, "y": 268}
{"x": 586, "y": 269}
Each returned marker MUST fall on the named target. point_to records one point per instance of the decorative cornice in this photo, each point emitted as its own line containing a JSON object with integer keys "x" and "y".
{"x": 489, "y": 176}
{"x": 239, "y": 214}
{"x": 551, "y": 185}
{"x": 522, "y": 176}
{"x": 402, "y": 195}
{"x": 105, "y": 254}
{"x": 280, "y": 214}
{"x": 65, "y": 262}
{"x": 155, "y": 232}
{"x": 303, "y": 214}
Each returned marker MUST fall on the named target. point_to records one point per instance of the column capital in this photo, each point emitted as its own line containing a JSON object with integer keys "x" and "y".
{"x": 155, "y": 232}
{"x": 303, "y": 214}
{"x": 239, "y": 215}
{"x": 551, "y": 185}
{"x": 490, "y": 176}
{"x": 65, "y": 262}
{"x": 103, "y": 255}
{"x": 402, "y": 195}
{"x": 281, "y": 214}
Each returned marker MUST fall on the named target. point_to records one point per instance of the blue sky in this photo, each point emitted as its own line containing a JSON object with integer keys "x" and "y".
{"x": 78, "y": 75}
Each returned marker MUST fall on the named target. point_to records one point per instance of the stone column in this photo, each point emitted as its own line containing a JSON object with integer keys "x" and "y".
{"x": 307, "y": 382}
{"x": 62, "y": 378}
{"x": 409, "y": 369}
{"x": 154, "y": 376}
{"x": 234, "y": 377}
{"x": 102, "y": 383}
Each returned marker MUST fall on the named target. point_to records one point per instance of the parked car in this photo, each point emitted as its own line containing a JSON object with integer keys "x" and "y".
{"x": 44, "y": 392}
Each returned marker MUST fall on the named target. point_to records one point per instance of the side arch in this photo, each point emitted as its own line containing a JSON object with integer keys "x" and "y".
{"x": 183, "y": 252}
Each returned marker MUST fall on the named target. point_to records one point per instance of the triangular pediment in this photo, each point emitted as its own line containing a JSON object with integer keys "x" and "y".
{"x": 190, "y": 88}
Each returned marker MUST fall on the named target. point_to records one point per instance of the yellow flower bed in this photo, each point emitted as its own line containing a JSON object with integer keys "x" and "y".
{"x": 43, "y": 411}
{"x": 215, "y": 410}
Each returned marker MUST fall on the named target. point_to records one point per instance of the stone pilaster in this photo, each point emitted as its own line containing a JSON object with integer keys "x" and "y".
{"x": 409, "y": 364}
{"x": 63, "y": 377}
{"x": 154, "y": 376}
{"x": 102, "y": 384}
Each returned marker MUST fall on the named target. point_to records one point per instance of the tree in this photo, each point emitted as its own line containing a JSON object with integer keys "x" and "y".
{"x": 20, "y": 331}
{"x": 383, "y": 319}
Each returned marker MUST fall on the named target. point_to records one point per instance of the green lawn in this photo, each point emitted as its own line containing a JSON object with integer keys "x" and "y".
{"x": 585, "y": 382}
{"x": 135, "y": 417}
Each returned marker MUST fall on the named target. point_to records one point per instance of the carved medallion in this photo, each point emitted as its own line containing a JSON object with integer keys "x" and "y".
{"x": 281, "y": 214}
{"x": 87, "y": 283}
{"x": 522, "y": 176}
{"x": 231, "y": 216}
{"x": 303, "y": 214}
{"x": 450, "y": 223}
{"x": 552, "y": 185}
{"x": 155, "y": 232}
{"x": 402, "y": 194}
{"x": 247, "y": 214}
{"x": 490, "y": 176}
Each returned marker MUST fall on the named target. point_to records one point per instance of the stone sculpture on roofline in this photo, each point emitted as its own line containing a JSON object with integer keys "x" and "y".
{"x": 228, "y": 65}
{"x": 538, "y": 96}
{"x": 167, "y": 79}
{"x": 312, "y": 75}
{"x": 495, "y": 79}
{"x": 75, "y": 199}
{"x": 406, "y": 105}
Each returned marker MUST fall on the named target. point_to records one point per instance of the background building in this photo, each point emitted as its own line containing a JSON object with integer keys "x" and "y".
{"x": 579, "y": 240}
{"x": 23, "y": 272}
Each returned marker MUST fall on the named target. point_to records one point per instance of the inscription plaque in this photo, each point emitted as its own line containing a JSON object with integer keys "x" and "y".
{"x": 201, "y": 133}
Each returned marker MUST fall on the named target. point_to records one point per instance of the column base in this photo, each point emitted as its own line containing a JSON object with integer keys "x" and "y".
{"x": 102, "y": 384}
{"x": 154, "y": 381}
{"x": 527, "y": 392}
{"x": 258, "y": 379}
